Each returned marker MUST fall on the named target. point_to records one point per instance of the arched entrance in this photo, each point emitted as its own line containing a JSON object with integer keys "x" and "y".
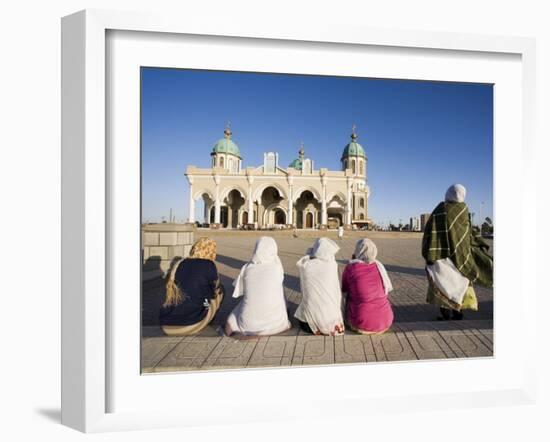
{"x": 335, "y": 211}
{"x": 224, "y": 216}
{"x": 271, "y": 196}
{"x": 279, "y": 217}
{"x": 204, "y": 203}
{"x": 307, "y": 207}
{"x": 335, "y": 220}
{"x": 245, "y": 218}
{"x": 309, "y": 220}
{"x": 234, "y": 201}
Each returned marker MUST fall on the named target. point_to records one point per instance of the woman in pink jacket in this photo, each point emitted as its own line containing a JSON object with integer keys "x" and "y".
{"x": 367, "y": 285}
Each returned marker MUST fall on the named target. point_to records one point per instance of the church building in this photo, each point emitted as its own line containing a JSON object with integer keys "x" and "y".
{"x": 272, "y": 196}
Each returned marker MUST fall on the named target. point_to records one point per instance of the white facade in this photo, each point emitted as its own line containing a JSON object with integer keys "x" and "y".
{"x": 298, "y": 195}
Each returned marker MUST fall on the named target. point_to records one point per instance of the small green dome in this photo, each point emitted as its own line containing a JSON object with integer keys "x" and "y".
{"x": 296, "y": 164}
{"x": 226, "y": 145}
{"x": 353, "y": 148}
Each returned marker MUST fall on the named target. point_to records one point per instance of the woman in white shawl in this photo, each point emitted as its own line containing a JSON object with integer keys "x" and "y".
{"x": 320, "y": 311}
{"x": 262, "y": 309}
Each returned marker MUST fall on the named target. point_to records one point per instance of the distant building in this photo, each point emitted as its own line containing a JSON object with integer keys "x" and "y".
{"x": 414, "y": 224}
{"x": 270, "y": 195}
{"x": 423, "y": 220}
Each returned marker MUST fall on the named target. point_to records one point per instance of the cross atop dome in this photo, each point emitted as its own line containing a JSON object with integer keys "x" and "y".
{"x": 353, "y": 133}
{"x": 301, "y": 152}
{"x": 227, "y": 132}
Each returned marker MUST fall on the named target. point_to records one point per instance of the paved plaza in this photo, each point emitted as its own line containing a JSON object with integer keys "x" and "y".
{"x": 415, "y": 334}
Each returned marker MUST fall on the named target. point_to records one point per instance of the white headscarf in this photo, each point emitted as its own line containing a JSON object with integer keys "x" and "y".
{"x": 265, "y": 251}
{"x": 324, "y": 248}
{"x": 321, "y": 305}
{"x": 455, "y": 194}
{"x": 262, "y": 311}
{"x": 366, "y": 252}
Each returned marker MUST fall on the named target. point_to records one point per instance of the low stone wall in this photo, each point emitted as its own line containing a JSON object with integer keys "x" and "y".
{"x": 162, "y": 244}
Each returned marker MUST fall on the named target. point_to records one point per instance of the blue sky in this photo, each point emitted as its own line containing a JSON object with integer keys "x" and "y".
{"x": 419, "y": 136}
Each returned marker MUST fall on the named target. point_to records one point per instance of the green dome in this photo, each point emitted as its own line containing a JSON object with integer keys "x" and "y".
{"x": 296, "y": 164}
{"x": 226, "y": 145}
{"x": 353, "y": 149}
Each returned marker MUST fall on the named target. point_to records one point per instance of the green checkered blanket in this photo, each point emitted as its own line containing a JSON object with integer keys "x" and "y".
{"x": 448, "y": 234}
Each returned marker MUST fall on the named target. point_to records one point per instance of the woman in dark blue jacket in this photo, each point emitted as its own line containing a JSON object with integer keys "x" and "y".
{"x": 193, "y": 292}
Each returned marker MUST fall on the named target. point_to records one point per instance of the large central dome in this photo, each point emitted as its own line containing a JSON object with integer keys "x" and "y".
{"x": 226, "y": 145}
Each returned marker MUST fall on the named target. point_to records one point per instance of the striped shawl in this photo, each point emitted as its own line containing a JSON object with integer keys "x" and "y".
{"x": 448, "y": 234}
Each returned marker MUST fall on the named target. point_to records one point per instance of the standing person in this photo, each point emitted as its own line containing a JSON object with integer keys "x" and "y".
{"x": 366, "y": 283}
{"x": 455, "y": 257}
{"x": 295, "y": 232}
{"x": 193, "y": 292}
{"x": 340, "y": 232}
{"x": 262, "y": 309}
{"x": 320, "y": 311}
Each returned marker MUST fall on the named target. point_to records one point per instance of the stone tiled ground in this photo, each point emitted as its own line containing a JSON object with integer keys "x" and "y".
{"x": 415, "y": 333}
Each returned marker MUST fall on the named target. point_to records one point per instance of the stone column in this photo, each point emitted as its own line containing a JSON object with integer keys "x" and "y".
{"x": 191, "y": 201}
{"x": 324, "y": 201}
{"x": 261, "y": 210}
{"x": 250, "y": 208}
{"x": 349, "y": 204}
{"x": 290, "y": 219}
{"x": 217, "y": 201}
{"x": 217, "y": 211}
{"x": 229, "y": 217}
{"x": 250, "y": 202}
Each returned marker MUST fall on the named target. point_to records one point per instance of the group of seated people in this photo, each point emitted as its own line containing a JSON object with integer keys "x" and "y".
{"x": 456, "y": 259}
{"x": 194, "y": 293}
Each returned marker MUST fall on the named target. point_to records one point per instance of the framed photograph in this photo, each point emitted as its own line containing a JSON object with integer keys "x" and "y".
{"x": 256, "y": 214}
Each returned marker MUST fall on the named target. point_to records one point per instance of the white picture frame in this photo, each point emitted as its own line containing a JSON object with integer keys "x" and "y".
{"x": 86, "y": 206}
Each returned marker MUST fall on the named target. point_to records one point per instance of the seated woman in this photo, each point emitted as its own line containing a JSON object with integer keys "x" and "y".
{"x": 366, "y": 282}
{"x": 193, "y": 292}
{"x": 320, "y": 311}
{"x": 262, "y": 309}
{"x": 456, "y": 257}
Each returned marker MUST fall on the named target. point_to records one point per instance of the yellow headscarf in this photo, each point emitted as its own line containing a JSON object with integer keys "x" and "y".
{"x": 204, "y": 248}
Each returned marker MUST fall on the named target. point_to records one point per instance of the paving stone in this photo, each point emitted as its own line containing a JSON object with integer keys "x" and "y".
{"x": 349, "y": 348}
{"x": 273, "y": 351}
{"x": 189, "y": 354}
{"x": 465, "y": 345}
{"x": 234, "y": 354}
{"x": 392, "y": 347}
{"x": 313, "y": 350}
{"x": 153, "y": 350}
